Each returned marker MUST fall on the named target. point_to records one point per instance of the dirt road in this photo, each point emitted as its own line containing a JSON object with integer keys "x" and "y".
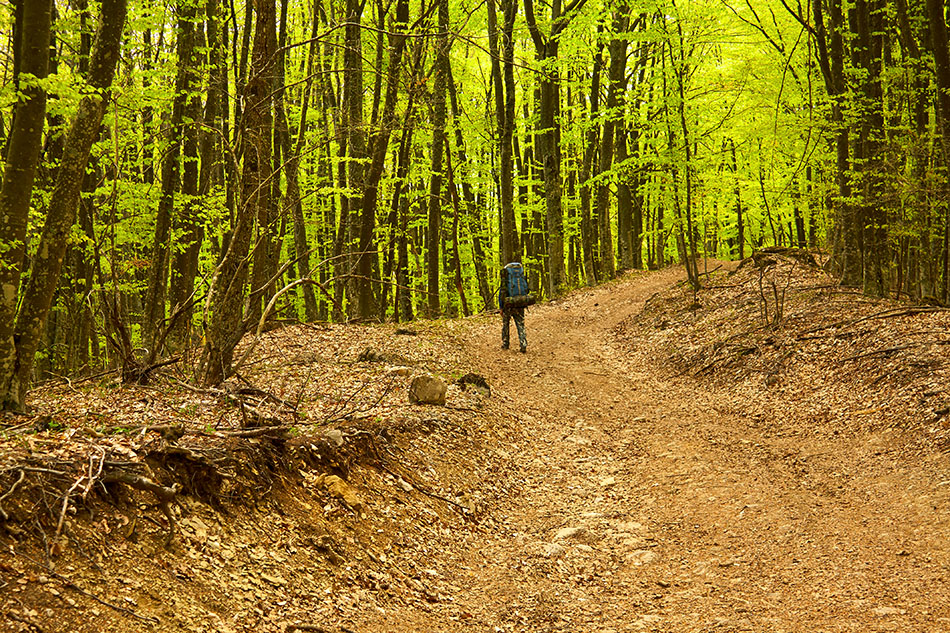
{"x": 644, "y": 508}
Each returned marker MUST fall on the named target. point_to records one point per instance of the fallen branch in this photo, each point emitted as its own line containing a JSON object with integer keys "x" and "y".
{"x": 9, "y": 492}
{"x": 886, "y": 314}
{"x": 255, "y": 432}
{"x": 878, "y": 352}
{"x": 24, "y": 620}
{"x": 163, "y": 494}
{"x": 62, "y": 512}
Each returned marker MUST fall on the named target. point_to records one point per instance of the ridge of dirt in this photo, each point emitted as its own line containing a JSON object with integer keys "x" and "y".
{"x": 292, "y": 491}
{"x": 800, "y": 351}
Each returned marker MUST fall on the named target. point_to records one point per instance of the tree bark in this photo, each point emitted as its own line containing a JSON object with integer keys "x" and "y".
{"x": 434, "y": 232}
{"x": 23, "y": 154}
{"x": 154, "y": 318}
{"x": 225, "y": 300}
{"x": 184, "y": 267}
{"x": 549, "y": 146}
{"x": 503, "y": 82}
{"x": 380, "y": 145}
{"x": 48, "y": 261}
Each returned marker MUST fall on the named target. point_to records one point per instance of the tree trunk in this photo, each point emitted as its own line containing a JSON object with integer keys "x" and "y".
{"x": 589, "y": 230}
{"x": 184, "y": 267}
{"x": 380, "y": 145}
{"x": 941, "y": 53}
{"x": 48, "y": 261}
{"x": 472, "y": 212}
{"x": 616, "y": 74}
{"x": 549, "y": 146}
{"x": 226, "y": 297}
{"x": 264, "y": 251}
{"x": 154, "y": 318}
{"x": 23, "y": 154}
{"x": 503, "y": 83}
{"x": 433, "y": 237}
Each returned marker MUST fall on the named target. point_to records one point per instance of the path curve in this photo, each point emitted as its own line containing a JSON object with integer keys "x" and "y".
{"x": 640, "y": 506}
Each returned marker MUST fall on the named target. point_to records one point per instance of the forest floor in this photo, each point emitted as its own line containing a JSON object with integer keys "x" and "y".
{"x": 769, "y": 454}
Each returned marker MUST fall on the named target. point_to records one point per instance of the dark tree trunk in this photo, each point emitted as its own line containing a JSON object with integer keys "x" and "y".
{"x": 23, "y": 154}
{"x": 941, "y": 53}
{"x": 225, "y": 302}
{"x": 264, "y": 255}
{"x": 190, "y": 223}
{"x": 48, "y": 261}
{"x": 472, "y": 212}
{"x": 154, "y": 318}
{"x": 589, "y": 232}
{"x": 549, "y": 146}
{"x": 503, "y": 83}
{"x": 434, "y": 232}
{"x": 380, "y": 145}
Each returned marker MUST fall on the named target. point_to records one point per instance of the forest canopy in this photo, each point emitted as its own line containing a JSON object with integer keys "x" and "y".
{"x": 181, "y": 173}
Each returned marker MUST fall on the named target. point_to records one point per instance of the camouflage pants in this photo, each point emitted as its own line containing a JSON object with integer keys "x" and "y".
{"x": 518, "y": 316}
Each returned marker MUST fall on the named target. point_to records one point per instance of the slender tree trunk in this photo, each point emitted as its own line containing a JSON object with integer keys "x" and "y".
{"x": 433, "y": 238}
{"x": 264, "y": 255}
{"x": 154, "y": 318}
{"x": 472, "y": 212}
{"x": 941, "y": 53}
{"x": 589, "y": 232}
{"x": 616, "y": 73}
{"x": 184, "y": 267}
{"x": 23, "y": 154}
{"x": 504, "y": 91}
{"x": 380, "y": 145}
{"x": 226, "y": 298}
{"x": 48, "y": 261}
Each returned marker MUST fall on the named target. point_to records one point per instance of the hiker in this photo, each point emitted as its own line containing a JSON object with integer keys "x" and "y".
{"x": 513, "y": 298}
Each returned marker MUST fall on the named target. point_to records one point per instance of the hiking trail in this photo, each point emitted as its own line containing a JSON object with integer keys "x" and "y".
{"x": 642, "y": 506}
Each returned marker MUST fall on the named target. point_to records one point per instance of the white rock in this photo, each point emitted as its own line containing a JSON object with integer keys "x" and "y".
{"x": 335, "y": 436}
{"x": 427, "y": 389}
{"x": 641, "y": 557}
{"x": 553, "y": 550}
{"x": 884, "y": 611}
{"x": 568, "y": 532}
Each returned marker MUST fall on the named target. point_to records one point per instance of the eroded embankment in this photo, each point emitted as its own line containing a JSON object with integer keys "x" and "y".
{"x": 285, "y": 498}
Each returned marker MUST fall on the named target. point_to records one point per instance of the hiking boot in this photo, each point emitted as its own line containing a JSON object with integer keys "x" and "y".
{"x": 504, "y": 346}
{"x": 524, "y": 350}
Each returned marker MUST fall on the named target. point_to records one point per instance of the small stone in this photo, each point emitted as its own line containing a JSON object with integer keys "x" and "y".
{"x": 427, "y": 389}
{"x": 568, "y": 532}
{"x": 641, "y": 557}
{"x": 885, "y": 611}
{"x": 370, "y": 355}
{"x": 606, "y": 482}
{"x": 274, "y": 580}
{"x": 476, "y": 382}
{"x": 553, "y": 550}
{"x": 335, "y": 436}
{"x": 342, "y": 490}
{"x": 397, "y": 370}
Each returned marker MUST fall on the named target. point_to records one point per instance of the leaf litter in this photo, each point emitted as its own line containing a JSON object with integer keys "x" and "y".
{"x": 767, "y": 454}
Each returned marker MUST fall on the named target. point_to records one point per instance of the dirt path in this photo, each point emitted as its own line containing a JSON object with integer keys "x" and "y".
{"x": 637, "y": 505}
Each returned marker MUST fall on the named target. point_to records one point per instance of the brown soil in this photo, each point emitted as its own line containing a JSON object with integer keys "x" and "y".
{"x": 626, "y": 474}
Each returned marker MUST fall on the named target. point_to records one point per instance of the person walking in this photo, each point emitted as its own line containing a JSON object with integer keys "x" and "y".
{"x": 513, "y": 298}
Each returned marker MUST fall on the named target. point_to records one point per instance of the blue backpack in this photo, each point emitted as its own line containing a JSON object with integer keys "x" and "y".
{"x": 517, "y": 282}
{"x": 519, "y": 296}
